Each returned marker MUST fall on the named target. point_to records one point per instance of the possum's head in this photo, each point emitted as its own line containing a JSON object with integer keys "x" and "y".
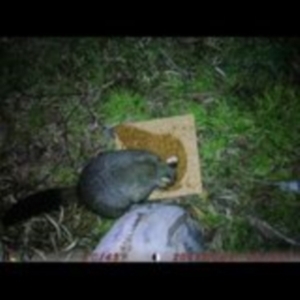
{"x": 167, "y": 175}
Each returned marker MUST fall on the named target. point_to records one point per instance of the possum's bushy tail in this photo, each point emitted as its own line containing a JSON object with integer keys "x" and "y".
{"x": 41, "y": 202}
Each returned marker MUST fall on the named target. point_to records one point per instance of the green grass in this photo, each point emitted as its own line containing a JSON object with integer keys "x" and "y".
{"x": 243, "y": 93}
{"x": 123, "y": 105}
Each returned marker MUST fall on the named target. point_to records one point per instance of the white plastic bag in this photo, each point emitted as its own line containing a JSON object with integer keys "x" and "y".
{"x": 150, "y": 232}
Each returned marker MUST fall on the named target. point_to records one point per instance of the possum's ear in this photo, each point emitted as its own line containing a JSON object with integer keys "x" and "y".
{"x": 172, "y": 161}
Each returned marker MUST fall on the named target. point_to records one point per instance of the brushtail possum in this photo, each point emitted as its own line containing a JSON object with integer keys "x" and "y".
{"x": 108, "y": 186}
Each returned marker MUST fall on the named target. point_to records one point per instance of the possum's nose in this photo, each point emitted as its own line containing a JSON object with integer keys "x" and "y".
{"x": 165, "y": 181}
{"x": 169, "y": 178}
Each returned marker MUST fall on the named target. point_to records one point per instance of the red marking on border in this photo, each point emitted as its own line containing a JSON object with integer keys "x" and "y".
{"x": 204, "y": 257}
{"x": 237, "y": 257}
{"x": 112, "y": 257}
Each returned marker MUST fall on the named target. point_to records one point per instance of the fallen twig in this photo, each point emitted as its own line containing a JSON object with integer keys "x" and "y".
{"x": 172, "y": 64}
{"x": 269, "y": 232}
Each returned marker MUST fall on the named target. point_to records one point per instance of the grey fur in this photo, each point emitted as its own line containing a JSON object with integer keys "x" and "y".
{"x": 115, "y": 180}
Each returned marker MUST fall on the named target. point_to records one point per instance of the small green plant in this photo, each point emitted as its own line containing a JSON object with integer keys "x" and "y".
{"x": 124, "y": 106}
